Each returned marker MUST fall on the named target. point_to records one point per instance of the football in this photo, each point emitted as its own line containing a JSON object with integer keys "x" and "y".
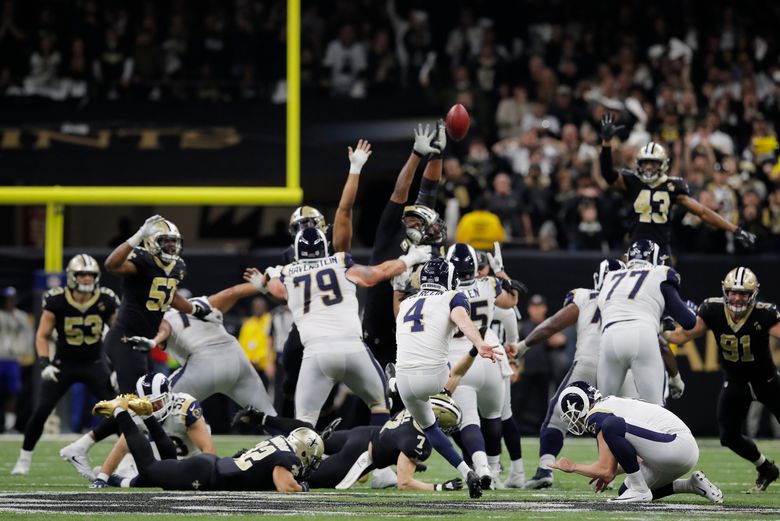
{"x": 458, "y": 122}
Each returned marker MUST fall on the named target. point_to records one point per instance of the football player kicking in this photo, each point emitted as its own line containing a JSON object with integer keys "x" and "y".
{"x": 273, "y": 464}
{"x": 653, "y": 193}
{"x": 742, "y": 327}
{"x": 631, "y": 302}
{"x": 481, "y": 393}
{"x": 77, "y": 313}
{"x": 178, "y": 414}
{"x": 425, "y": 323}
{"x": 649, "y": 443}
{"x": 151, "y": 270}
{"x": 320, "y": 290}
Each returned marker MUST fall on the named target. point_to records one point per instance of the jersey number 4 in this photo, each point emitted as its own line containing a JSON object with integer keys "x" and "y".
{"x": 415, "y": 316}
{"x": 326, "y": 282}
{"x": 644, "y": 202}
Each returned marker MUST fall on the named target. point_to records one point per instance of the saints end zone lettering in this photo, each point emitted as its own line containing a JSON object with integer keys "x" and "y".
{"x": 198, "y": 138}
{"x": 690, "y": 351}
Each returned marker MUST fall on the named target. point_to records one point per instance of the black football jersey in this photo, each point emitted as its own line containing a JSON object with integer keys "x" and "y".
{"x": 147, "y": 294}
{"x": 254, "y": 469}
{"x": 400, "y": 434}
{"x": 79, "y": 326}
{"x": 652, "y": 206}
{"x": 743, "y": 347}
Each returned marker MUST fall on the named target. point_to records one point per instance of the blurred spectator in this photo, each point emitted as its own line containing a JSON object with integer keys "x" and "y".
{"x": 457, "y": 192}
{"x": 113, "y": 68}
{"x": 16, "y": 341}
{"x": 480, "y": 228}
{"x": 589, "y": 234}
{"x": 511, "y": 111}
{"x": 383, "y": 73}
{"x": 502, "y": 202}
{"x": 345, "y": 59}
{"x": 43, "y": 79}
{"x": 253, "y": 337}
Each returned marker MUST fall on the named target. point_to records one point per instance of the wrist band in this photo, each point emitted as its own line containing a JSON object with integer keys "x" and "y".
{"x": 473, "y": 352}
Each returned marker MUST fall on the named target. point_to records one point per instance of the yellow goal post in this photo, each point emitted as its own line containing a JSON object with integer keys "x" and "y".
{"x": 56, "y": 197}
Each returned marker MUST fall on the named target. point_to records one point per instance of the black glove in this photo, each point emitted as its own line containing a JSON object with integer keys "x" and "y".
{"x": 248, "y": 416}
{"x": 305, "y": 486}
{"x": 608, "y": 128}
{"x": 239, "y": 453}
{"x": 522, "y": 289}
{"x": 453, "y": 484}
{"x": 668, "y": 324}
{"x": 200, "y": 308}
{"x": 746, "y": 239}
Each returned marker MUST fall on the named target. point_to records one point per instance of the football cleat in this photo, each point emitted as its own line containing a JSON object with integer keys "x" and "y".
{"x": 517, "y": 480}
{"x": 704, "y": 487}
{"x": 107, "y": 407}
{"x": 766, "y": 475}
{"x": 22, "y": 467}
{"x": 474, "y": 483}
{"x": 633, "y": 496}
{"x": 77, "y": 457}
{"x": 330, "y": 428}
{"x": 141, "y": 406}
{"x": 98, "y": 483}
{"x": 390, "y": 377}
{"x": 248, "y": 416}
{"x": 542, "y": 479}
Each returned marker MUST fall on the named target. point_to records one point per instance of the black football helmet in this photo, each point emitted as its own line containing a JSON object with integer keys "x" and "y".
{"x": 465, "y": 260}
{"x": 575, "y": 402}
{"x": 643, "y": 251}
{"x": 439, "y": 275}
{"x": 310, "y": 243}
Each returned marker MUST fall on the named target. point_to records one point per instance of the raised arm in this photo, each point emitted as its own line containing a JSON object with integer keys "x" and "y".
{"x": 117, "y": 263}
{"x": 227, "y": 298}
{"x": 608, "y": 131}
{"x": 342, "y": 224}
{"x": 422, "y": 147}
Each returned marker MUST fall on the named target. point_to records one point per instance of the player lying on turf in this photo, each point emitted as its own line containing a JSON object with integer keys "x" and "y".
{"x": 649, "y": 443}
{"x": 274, "y": 464}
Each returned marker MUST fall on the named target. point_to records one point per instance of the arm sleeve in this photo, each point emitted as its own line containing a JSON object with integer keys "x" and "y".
{"x": 605, "y": 160}
{"x": 459, "y": 299}
{"x": 426, "y": 195}
{"x": 676, "y": 307}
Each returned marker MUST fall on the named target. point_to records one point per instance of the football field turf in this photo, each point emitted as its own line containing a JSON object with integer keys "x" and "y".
{"x": 53, "y": 490}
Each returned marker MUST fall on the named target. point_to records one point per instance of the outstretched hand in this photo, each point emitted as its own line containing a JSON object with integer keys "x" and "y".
{"x": 359, "y": 156}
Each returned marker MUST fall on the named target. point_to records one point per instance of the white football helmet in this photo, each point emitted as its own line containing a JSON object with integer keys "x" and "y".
{"x": 82, "y": 263}
{"x": 308, "y": 446}
{"x": 740, "y": 280}
{"x": 165, "y": 241}
{"x": 654, "y": 154}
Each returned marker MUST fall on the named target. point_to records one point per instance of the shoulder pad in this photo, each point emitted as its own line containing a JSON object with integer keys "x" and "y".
{"x": 569, "y": 298}
{"x": 50, "y": 297}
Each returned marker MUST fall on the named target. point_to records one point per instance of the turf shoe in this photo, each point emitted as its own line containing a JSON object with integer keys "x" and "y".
{"x": 77, "y": 456}
{"x": 631, "y": 495}
{"x": 704, "y": 487}
{"x": 330, "y": 428}
{"x": 107, "y": 407}
{"x": 474, "y": 482}
{"x": 542, "y": 479}
{"x": 141, "y": 406}
{"x": 767, "y": 473}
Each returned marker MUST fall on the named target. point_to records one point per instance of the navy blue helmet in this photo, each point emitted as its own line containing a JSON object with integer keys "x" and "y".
{"x": 644, "y": 250}
{"x": 310, "y": 243}
{"x": 575, "y": 402}
{"x": 465, "y": 260}
{"x": 438, "y": 274}
{"x": 605, "y": 267}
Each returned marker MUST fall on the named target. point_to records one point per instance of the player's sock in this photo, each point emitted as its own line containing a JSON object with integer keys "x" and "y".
{"x": 10, "y": 421}
{"x": 613, "y": 429}
{"x": 480, "y": 462}
{"x": 103, "y": 476}
{"x": 512, "y": 438}
{"x": 459, "y": 443}
{"x": 443, "y": 446}
{"x": 494, "y": 461}
{"x": 681, "y": 485}
{"x": 380, "y": 418}
{"x": 86, "y": 442}
{"x": 546, "y": 460}
{"x": 472, "y": 439}
{"x": 636, "y": 481}
{"x": 165, "y": 446}
{"x": 550, "y": 445}
{"x": 516, "y": 466}
{"x": 760, "y": 461}
{"x": 25, "y": 455}
{"x": 668, "y": 489}
{"x": 491, "y": 430}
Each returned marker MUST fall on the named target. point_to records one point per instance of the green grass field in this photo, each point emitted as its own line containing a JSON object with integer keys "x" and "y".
{"x": 53, "y": 490}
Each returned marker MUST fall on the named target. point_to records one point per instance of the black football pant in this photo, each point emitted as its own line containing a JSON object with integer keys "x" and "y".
{"x": 129, "y": 364}
{"x": 194, "y": 473}
{"x": 343, "y": 449}
{"x": 94, "y": 374}
{"x": 733, "y": 403}
{"x": 292, "y": 356}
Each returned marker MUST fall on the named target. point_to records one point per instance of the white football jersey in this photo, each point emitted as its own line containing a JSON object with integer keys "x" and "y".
{"x": 638, "y": 413}
{"x": 481, "y": 294}
{"x": 635, "y": 294}
{"x": 423, "y": 328}
{"x": 190, "y": 335}
{"x": 185, "y": 411}
{"x": 322, "y": 299}
{"x": 588, "y": 324}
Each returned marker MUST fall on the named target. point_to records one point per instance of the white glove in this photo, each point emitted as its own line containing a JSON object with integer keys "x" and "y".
{"x": 141, "y": 343}
{"x": 214, "y": 317}
{"x": 273, "y": 272}
{"x": 144, "y": 231}
{"x": 50, "y": 373}
{"x": 496, "y": 260}
{"x": 676, "y": 387}
{"x": 423, "y": 140}
{"x": 205, "y": 311}
{"x": 359, "y": 156}
{"x": 416, "y": 255}
{"x": 401, "y": 281}
{"x": 440, "y": 141}
{"x": 522, "y": 348}
{"x": 257, "y": 279}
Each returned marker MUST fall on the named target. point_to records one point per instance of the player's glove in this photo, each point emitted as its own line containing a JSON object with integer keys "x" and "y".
{"x": 495, "y": 259}
{"x": 141, "y": 343}
{"x": 400, "y": 282}
{"x": 608, "y": 127}
{"x": 745, "y": 238}
{"x": 440, "y": 140}
{"x": 248, "y": 416}
{"x": 453, "y": 484}
{"x": 202, "y": 309}
{"x": 668, "y": 324}
{"x": 359, "y": 156}
{"x": 522, "y": 349}
{"x": 416, "y": 255}
{"x": 305, "y": 486}
{"x": 423, "y": 141}
{"x": 273, "y": 272}
{"x": 144, "y": 231}
{"x": 48, "y": 371}
{"x": 257, "y": 279}
{"x": 676, "y": 387}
